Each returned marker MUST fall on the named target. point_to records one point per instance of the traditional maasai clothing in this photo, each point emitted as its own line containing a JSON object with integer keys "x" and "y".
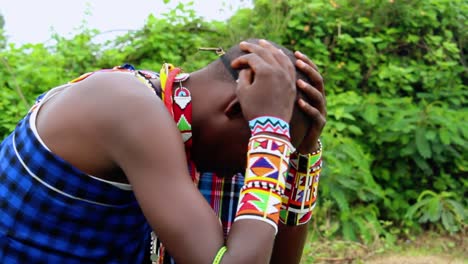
{"x": 53, "y": 213}
{"x": 223, "y": 196}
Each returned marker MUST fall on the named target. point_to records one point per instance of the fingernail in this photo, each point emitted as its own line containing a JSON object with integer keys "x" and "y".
{"x": 301, "y": 102}
{"x": 263, "y": 42}
{"x": 301, "y": 83}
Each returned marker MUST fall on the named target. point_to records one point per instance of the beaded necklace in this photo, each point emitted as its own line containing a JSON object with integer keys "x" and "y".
{"x": 178, "y": 102}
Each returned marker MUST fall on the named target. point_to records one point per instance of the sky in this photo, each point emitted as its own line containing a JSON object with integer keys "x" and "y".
{"x": 31, "y": 21}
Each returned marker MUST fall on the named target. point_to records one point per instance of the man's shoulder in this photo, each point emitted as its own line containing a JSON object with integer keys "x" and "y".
{"x": 119, "y": 94}
{"x": 117, "y": 82}
{"x": 106, "y": 100}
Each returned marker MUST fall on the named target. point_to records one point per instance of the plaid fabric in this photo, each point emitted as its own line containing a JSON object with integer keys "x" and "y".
{"x": 52, "y": 213}
{"x": 223, "y": 196}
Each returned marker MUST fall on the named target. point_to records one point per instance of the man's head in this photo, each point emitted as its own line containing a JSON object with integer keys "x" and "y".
{"x": 220, "y": 132}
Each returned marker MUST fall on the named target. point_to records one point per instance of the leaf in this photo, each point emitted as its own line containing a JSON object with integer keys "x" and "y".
{"x": 348, "y": 116}
{"x": 412, "y": 212}
{"x": 444, "y": 136}
{"x": 339, "y": 196}
{"x": 348, "y": 231}
{"x": 431, "y": 135}
{"x": 425, "y": 193}
{"x": 364, "y": 227}
{"x": 371, "y": 114}
{"x": 422, "y": 145}
{"x": 434, "y": 209}
{"x": 458, "y": 209}
{"x": 422, "y": 163}
{"x": 355, "y": 130}
{"x": 338, "y": 113}
{"x": 340, "y": 126}
{"x": 448, "y": 222}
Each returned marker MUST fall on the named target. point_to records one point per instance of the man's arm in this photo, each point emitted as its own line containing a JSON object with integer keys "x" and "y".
{"x": 289, "y": 244}
{"x": 144, "y": 141}
{"x": 290, "y": 241}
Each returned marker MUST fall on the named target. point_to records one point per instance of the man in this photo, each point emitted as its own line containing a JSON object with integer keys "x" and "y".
{"x": 67, "y": 169}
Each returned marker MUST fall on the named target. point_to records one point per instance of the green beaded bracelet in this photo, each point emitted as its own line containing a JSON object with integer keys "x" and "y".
{"x": 219, "y": 255}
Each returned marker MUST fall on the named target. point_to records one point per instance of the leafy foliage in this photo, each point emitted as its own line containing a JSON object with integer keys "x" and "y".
{"x": 433, "y": 207}
{"x": 396, "y": 80}
{"x": 396, "y": 137}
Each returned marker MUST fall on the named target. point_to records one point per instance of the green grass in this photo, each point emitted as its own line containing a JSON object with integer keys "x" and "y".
{"x": 425, "y": 249}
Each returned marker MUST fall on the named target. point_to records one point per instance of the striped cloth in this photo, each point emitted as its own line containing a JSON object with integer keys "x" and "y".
{"x": 223, "y": 196}
{"x": 52, "y": 213}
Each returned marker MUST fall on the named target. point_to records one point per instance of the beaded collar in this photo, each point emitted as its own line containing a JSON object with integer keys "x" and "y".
{"x": 178, "y": 101}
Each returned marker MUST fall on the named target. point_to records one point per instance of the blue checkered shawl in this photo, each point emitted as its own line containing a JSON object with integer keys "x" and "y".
{"x": 52, "y": 213}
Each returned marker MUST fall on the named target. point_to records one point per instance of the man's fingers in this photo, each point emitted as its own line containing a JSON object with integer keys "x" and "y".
{"x": 314, "y": 96}
{"x": 279, "y": 55}
{"x": 245, "y": 78}
{"x": 313, "y": 113}
{"x": 252, "y": 61}
{"x": 261, "y": 51}
{"x": 303, "y": 57}
{"x": 313, "y": 75}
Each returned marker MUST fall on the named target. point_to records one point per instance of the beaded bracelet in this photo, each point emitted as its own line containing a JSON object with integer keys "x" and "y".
{"x": 269, "y": 124}
{"x": 301, "y": 186}
{"x": 265, "y": 176}
{"x": 310, "y": 162}
{"x": 219, "y": 255}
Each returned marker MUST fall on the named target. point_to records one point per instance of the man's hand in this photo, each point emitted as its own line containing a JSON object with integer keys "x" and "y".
{"x": 266, "y": 87}
{"x": 316, "y": 111}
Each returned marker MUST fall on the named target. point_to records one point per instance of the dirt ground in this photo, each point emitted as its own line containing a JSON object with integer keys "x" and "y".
{"x": 415, "y": 260}
{"x": 397, "y": 259}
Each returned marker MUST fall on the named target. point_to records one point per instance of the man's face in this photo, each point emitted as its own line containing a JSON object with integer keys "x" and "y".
{"x": 223, "y": 148}
{"x": 230, "y": 154}
{"x": 220, "y": 138}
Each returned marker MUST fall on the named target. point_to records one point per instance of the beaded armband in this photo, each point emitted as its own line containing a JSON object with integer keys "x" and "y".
{"x": 265, "y": 176}
{"x": 269, "y": 124}
{"x": 301, "y": 186}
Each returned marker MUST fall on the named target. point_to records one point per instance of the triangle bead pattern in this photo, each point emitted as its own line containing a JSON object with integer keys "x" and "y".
{"x": 265, "y": 178}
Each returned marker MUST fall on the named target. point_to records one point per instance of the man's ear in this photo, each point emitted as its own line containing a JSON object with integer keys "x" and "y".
{"x": 233, "y": 109}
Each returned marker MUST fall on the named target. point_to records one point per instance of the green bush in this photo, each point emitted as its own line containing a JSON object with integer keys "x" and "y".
{"x": 395, "y": 71}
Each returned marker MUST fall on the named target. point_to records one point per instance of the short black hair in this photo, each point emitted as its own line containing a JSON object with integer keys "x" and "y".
{"x": 224, "y": 71}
